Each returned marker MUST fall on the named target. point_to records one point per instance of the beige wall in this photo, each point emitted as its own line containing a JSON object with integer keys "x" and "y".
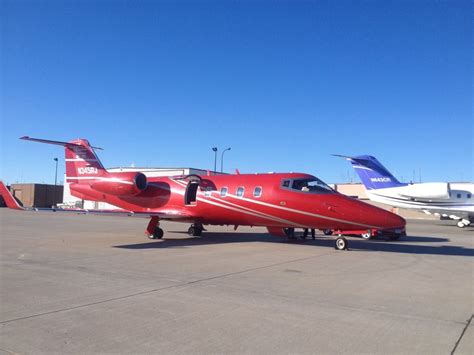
{"x": 25, "y": 193}
{"x": 37, "y": 195}
{"x": 353, "y": 190}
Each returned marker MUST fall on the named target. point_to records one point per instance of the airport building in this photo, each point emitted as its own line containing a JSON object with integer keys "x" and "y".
{"x": 356, "y": 190}
{"x": 37, "y": 195}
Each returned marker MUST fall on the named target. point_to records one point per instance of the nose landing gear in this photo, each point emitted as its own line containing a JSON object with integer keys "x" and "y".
{"x": 341, "y": 243}
{"x": 463, "y": 223}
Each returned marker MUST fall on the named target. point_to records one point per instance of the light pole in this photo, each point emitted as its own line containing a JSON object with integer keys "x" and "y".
{"x": 55, "y": 181}
{"x": 222, "y": 159}
{"x": 214, "y": 149}
{"x": 56, "y": 173}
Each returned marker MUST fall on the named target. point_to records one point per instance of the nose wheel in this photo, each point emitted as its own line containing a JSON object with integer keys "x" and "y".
{"x": 341, "y": 243}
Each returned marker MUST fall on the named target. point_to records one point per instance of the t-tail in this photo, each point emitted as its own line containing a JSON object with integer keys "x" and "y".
{"x": 82, "y": 164}
{"x": 372, "y": 173}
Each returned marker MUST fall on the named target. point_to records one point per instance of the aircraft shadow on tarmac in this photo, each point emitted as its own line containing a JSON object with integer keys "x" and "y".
{"x": 404, "y": 245}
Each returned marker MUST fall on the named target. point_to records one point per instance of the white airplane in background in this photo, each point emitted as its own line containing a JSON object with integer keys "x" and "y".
{"x": 449, "y": 200}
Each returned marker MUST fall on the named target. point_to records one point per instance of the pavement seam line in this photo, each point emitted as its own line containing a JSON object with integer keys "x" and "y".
{"x": 462, "y": 334}
{"x": 375, "y": 311}
{"x": 159, "y": 289}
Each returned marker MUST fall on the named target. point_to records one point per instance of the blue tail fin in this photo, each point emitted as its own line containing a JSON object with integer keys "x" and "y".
{"x": 372, "y": 173}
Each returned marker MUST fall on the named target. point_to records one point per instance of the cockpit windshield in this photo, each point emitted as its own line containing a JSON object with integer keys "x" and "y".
{"x": 309, "y": 185}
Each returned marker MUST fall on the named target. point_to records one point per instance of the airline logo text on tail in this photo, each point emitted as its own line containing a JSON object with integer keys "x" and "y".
{"x": 87, "y": 170}
{"x": 380, "y": 179}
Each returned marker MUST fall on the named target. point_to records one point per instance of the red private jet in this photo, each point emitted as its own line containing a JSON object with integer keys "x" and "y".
{"x": 280, "y": 202}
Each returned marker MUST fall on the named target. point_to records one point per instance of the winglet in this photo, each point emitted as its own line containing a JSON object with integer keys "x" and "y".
{"x": 237, "y": 171}
{"x": 10, "y": 201}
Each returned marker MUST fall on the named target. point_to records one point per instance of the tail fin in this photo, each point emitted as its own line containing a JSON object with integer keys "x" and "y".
{"x": 372, "y": 173}
{"x": 10, "y": 201}
{"x": 81, "y": 161}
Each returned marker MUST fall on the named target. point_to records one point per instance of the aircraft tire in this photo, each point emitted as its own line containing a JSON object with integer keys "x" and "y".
{"x": 366, "y": 236}
{"x": 158, "y": 233}
{"x": 290, "y": 233}
{"x": 341, "y": 243}
{"x": 194, "y": 231}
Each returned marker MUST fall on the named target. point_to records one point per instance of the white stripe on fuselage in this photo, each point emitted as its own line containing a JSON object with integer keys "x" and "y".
{"x": 105, "y": 179}
{"x": 287, "y": 209}
{"x": 238, "y": 208}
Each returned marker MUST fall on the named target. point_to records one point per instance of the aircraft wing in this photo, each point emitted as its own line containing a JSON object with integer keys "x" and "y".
{"x": 13, "y": 203}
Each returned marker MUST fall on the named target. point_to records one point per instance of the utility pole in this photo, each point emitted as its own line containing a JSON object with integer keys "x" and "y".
{"x": 214, "y": 149}
{"x": 222, "y": 159}
{"x": 55, "y": 181}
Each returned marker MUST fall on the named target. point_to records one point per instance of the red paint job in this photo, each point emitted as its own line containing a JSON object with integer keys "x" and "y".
{"x": 276, "y": 208}
{"x": 126, "y": 184}
{"x": 277, "y": 231}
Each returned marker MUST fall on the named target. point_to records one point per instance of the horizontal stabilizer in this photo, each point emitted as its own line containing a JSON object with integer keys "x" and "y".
{"x": 47, "y": 141}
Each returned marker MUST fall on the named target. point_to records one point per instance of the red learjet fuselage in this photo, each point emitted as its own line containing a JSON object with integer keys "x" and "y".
{"x": 280, "y": 202}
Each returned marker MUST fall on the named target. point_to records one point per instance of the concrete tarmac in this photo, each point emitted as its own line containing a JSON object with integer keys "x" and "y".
{"x": 87, "y": 284}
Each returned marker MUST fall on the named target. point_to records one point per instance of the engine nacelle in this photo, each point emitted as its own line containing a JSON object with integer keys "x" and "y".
{"x": 121, "y": 184}
{"x": 427, "y": 191}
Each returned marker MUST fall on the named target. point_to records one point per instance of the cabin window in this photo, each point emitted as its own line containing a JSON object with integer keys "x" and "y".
{"x": 468, "y": 195}
{"x": 208, "y": 191}
{"x": 459, "y": 195}
{"x": 286, "y": 183}
{"x": 224, "y": 191}
{"x": 257, "y": 192}
{"x": 240, "y": 191}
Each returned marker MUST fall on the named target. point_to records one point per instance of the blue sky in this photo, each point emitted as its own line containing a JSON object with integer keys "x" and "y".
{"x": 284, "y": 83}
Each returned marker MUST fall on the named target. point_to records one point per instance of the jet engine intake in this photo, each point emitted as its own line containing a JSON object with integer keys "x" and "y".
{"x": 121, "y": 184}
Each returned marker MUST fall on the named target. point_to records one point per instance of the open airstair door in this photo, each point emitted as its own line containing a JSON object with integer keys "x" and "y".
{"x": 190, "y": 196}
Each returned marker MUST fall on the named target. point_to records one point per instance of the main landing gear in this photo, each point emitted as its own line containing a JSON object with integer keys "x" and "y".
{"x": 290, "y": 233}
{"x": 463, "y": 223}
{"x": 196, "y": 229}
{"x": 153, "y": 231}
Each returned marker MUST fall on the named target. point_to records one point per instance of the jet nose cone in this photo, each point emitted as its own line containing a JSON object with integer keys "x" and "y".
{"x": 395, "y": 221}
{"x": 386, "y": 219}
